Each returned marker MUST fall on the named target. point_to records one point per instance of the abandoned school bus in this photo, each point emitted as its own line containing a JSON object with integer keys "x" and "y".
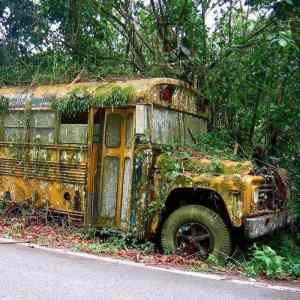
{"x": 97, "y": 152}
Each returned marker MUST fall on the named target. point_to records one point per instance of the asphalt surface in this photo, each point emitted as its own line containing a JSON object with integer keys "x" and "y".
{"x": 29, "y": 274}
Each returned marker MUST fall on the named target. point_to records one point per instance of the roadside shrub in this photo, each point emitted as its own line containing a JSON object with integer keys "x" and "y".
{"x": 290, "y": 250}
{"x": 129, "y": 241}
{"x": 88, "y": 233}
{"x": 265, "y": 261}
{"x": 287, "y": 245}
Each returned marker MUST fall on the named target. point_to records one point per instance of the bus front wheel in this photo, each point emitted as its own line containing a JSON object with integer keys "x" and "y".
{"x": 196, "y": 231}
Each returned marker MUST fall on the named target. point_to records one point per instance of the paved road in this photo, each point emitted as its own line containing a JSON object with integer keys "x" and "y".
{"x": 29, "y": 274}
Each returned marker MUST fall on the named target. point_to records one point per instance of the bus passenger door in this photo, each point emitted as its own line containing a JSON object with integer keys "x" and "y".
{"x": 116, "y": 169}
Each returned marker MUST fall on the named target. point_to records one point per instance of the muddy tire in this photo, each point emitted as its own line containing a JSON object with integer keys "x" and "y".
{"x": 195, "y": 230}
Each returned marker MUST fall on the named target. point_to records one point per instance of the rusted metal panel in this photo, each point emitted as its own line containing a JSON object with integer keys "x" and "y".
{"x": 28, "y": 169}
{"x": 72, "y": 156}
{"x": 255, "y": 227}
{"x": 50, "y": 193}
{"x": 40, "y": 161}
{"x": 44, "y": 171}
{"x": 181, "y": 97}
{"x": 93, "y": 154}
{"x": 142, "y": 188}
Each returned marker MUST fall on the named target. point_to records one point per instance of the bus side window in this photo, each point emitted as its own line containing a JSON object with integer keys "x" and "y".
{"x": 73, "y": 129}
{"x": 43, "y": 124}
{"x": 14, "y": 127}
{"x": 166, "y": 126}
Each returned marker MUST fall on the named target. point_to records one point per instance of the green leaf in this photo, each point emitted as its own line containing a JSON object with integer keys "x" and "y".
{"x": 282, "y": 42}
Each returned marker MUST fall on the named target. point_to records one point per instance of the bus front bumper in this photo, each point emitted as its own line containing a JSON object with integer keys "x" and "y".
{"x": 255, "y": 227}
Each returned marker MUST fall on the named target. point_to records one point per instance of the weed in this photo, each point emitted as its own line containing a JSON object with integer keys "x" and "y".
{"x": 287, "y": 246}
{"x": 88, "y": 233}
{"x": 105, "y": 247}
{"x": 265, "y": 261}
{"x": 113, "y": 243}
{"x": 215, "y": 260}
{"x": 216, "y": 144}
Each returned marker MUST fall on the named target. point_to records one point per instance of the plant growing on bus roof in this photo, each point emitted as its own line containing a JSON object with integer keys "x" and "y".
{"x": 80, "y": 100}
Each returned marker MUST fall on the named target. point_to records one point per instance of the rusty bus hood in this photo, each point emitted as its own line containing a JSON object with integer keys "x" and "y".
{"x": 197, "y": 165}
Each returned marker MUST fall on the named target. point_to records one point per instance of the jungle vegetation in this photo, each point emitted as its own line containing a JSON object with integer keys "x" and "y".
{"x": 242, "y": 55}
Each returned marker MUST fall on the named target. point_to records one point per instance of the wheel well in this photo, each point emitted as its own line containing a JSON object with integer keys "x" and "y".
{"x": 208, "y": 198}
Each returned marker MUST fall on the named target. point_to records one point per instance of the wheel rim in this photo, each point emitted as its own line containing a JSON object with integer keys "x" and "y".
{"x": 194, "y": 239}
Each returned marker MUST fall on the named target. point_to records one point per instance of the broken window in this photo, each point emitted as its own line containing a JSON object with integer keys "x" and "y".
{"x": 170, "y": 126}
{"x": 73, "y": 129}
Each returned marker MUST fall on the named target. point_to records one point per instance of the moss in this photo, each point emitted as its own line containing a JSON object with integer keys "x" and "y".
{"x": 171, "y": 169}
{"x": 81, "y": 99}
{"x": 211, "y": 166}
{"x": 140, "y": 196}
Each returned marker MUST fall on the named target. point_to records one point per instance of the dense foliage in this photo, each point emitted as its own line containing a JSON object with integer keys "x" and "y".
{"x": 244, "y": 57}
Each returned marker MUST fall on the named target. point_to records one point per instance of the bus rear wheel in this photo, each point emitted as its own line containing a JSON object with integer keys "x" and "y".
{"x": 196, "y": 231}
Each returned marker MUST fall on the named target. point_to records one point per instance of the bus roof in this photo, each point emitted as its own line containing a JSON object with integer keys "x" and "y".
{"x": 165, "y": 92}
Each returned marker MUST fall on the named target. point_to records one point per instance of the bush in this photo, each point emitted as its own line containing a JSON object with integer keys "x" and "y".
{"x": 285, "y": 262}
{"x": 290, "y": 250}
{"x": 88, "y": 233}
{"x": 265, "y": 261}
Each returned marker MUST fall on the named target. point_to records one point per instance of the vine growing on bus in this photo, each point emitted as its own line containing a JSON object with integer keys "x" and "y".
{"x": 80, "y": 100}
